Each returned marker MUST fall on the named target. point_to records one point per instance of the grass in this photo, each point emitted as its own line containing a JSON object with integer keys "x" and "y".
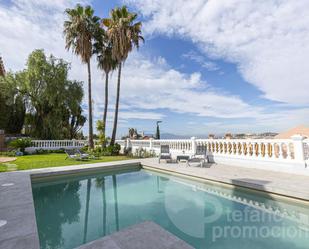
{"x": 51, "y": 160}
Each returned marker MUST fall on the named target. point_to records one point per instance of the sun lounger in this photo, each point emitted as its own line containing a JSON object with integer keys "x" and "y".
{"x": 76, "y": 155}
{"x": 165, "y": 153}
{"x": 199, "y": 156}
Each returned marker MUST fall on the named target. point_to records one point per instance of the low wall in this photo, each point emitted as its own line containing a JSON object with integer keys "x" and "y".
{"x": 55, "y": 145}
{"x": 287, "y": 155}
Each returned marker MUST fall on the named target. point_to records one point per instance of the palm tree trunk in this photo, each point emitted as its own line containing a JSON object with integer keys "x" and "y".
{"x": 117, "y": 106}
{"x": 91, "y": 145}
{"x": 105, "y": 107}
{"x": 116, "y": 202}
{"x": 87, "y": 211}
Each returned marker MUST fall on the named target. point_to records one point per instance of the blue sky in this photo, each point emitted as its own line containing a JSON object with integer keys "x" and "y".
{"x": 206, "y": 66}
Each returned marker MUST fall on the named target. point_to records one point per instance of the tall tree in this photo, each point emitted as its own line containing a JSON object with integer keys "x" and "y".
{"x": 12, "y": 103}
{"x": 124, "y": 33}
{"x": 158, "y": 131}
{"x": 54, "y": 102}
{"x": 79, "y": 31}
{"x": 103, "y": 50}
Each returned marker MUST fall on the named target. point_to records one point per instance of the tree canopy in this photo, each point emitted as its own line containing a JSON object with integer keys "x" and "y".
{"x": 12, "y": 103}
{"x": 51, "y": 100}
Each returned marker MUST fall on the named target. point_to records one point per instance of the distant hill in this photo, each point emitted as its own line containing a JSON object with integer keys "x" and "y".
{"x": 174, "y": 136}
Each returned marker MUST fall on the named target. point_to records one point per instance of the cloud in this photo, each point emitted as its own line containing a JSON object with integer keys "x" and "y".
{"x": 151, "y": 89}
{"x": 268, "y": 40}
{"x": 194, "y": 56}
{"x": 152, "y": 84}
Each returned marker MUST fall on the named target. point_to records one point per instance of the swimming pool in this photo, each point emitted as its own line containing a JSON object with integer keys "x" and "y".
{"x": 71, "y": 211}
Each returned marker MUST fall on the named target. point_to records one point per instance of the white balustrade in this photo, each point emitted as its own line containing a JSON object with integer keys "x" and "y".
{"x": 56, "y": 144}
{"x": 306, "y": 150}
{"x": 267, "y": 153}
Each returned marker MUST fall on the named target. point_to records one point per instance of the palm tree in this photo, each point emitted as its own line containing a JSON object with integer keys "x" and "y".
{"x": 79, "y": 31}
{"x": 103, "y": 50}
{"x": 124, "y": 33}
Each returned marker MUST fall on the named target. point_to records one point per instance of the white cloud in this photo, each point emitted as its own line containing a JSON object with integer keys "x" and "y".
{"x": 149, "y": 85}
{"x": 194, "y": 56}
{"x": 268, "y": 40}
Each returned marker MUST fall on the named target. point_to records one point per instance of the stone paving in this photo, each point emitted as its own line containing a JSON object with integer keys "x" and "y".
{"x": 146, "y": 235}
{"x": 7, "y": 159}
{"x": 290, "y": 185}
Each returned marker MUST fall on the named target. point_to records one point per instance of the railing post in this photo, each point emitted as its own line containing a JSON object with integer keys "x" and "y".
{"x": 127, "y": 144}
{"x": 299, "y": 154}
{"x": 150, "y": 143}
{"x": 193, "y": 145}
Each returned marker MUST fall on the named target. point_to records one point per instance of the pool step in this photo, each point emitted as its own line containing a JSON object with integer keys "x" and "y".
{"x": 146, "y": 235}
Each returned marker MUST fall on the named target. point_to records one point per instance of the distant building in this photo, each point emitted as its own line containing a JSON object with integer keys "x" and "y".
{"x": 2, "y": 69}
{"x": 134, "y": 135}
{"x": 299, "y": 130}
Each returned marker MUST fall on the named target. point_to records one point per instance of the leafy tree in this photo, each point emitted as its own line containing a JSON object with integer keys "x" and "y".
{"x": 12, "y": 103}
{"x": 101, "y": 131}
{"x": 53, "y": 100}
{"x": 79, "y": 31}
{"x": 124, "y": 33}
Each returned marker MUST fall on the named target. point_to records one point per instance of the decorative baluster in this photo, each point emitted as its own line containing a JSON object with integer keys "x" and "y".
{"x": 288, "y": 151}
{"x": 280, "y": 151}
{"x": 266, "y": 150}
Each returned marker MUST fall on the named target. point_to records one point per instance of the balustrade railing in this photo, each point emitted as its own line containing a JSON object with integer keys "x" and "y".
{"x": 56, "y": 144}
{"x": 261, "y": 148}
{"x": 267, "y": 148}
{"x": 306, "y": 149}
{"x": 288, "y": 152}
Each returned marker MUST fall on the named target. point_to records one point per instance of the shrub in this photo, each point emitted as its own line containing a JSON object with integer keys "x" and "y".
{"x": 101, "y": 151}
{"x": 143, "y": 153}
{"x": 20, "y": 144}
{"x": 42, "y": 151}
{"x": 11, "y": 153}
{"x": 114, "y": 149}
{"x": 85, "y": 149}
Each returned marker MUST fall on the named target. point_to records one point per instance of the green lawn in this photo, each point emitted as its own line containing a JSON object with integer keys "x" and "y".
{"x": 50, "y": 160}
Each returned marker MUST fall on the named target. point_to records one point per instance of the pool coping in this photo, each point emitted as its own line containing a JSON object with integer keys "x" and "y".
{"x": 17, "y": 206}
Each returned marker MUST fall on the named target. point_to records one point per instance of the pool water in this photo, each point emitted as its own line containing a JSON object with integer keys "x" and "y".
{"x": 72, "y": 211}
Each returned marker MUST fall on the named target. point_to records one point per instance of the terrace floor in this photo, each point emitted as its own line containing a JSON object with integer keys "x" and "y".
{"x": 273, "y": 182}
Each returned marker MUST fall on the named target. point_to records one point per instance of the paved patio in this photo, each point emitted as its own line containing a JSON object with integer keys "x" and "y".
{"x": 7, "y": 159}
{"x": 290, "y": 185}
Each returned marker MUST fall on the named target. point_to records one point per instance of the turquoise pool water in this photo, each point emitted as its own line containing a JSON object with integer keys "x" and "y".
{"x": 76, "y": 210}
